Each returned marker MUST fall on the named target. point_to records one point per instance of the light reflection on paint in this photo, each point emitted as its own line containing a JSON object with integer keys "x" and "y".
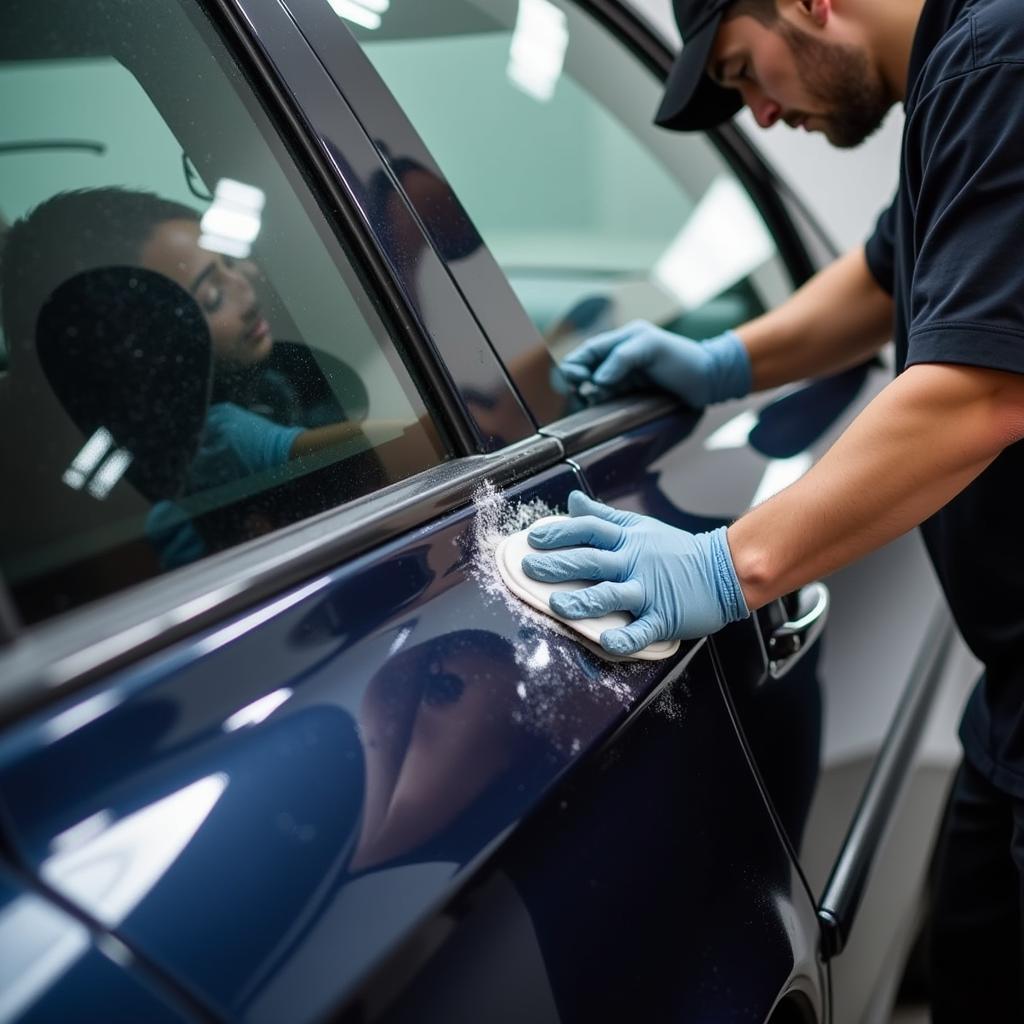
{"x": 258, "y": 711}
{"x": 110, "y": 871}
{"x": 779, "y": 474}
{"x": 733, "y": 433}
{"x": 38, "y": 946}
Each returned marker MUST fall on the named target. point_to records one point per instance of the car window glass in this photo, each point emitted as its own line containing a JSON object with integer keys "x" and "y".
{"x": 191, "y": 359}
{"x": 596, "y": 216}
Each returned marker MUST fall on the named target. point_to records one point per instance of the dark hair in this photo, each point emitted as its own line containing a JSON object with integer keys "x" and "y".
{"x": 765, "y": 11}
{"x": 70, "y": 233}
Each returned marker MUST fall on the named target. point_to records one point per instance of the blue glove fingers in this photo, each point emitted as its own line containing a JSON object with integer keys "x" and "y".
{"x": 582, "y": 505}
{"x": 573, "y": 371}
{"x": 632, "y": 638}
{"x": 585, "y": 358}
{"x": 600, "y": 599}
{"x": 633, "y": 354}
{"x": 580, "y": 531}
{"x": 573, "y": 564}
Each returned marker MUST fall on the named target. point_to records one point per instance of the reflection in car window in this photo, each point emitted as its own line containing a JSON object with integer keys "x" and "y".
{"x": 190, "y": 359}
{"x": 596, "y": 216}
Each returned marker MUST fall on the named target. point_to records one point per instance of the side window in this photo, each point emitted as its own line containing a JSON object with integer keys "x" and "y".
{"x": 190, "y": 359}
{"x": 596, "y": 216}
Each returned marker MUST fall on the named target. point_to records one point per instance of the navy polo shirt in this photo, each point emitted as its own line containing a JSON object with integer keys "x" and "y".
{"x": 950, "y": 252}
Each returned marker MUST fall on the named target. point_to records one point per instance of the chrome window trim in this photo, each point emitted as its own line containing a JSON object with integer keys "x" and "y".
{"x": 52, "y": 659}
{"x": 589, "y": 427}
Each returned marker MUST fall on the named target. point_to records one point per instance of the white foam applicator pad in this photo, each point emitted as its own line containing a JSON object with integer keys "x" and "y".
{"x": 509, "y": 556}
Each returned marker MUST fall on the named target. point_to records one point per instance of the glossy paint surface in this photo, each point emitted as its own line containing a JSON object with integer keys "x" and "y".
{"x": 653, "y": 886}
{"x": 53, "y": 968}
{"x": 323, "y": 773}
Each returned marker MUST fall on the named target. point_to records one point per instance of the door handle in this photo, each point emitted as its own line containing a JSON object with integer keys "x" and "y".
{"x": 789, "y": 641}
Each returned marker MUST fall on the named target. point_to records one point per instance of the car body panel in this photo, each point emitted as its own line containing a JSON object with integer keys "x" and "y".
{"x": 55, "y": 968}
{"x": 612, "y": 902}
{"x": 325, "y": 773}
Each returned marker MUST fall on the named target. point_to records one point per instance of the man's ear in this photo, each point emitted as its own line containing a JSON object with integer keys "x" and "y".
{"x": 819, "y": 11}
{"x": 816, "y": 11}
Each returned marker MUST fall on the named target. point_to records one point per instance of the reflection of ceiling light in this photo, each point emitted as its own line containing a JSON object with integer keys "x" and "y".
{"x": 110, "y": 471}
{"x": 228, "y": 634}
{"x": 94, "y": 469}
{"x": 723, "y": 241}
{"x": 732, "y": 434}
{"x": 40, "y": 944}
{"x": 403, "y": 634}
{"x": 779, "y": 474}
{"x": 537, "y": 52}
{"x": 88, "y": 459}
{"x": 232, "y": 222}
{"x": 110, "y": 871}
{"x": 258, "y": 710}
{"x": 362, "y": 12}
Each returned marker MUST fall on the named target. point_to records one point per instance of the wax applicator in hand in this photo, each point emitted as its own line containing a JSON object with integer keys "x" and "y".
{"x": 509, "y": 557}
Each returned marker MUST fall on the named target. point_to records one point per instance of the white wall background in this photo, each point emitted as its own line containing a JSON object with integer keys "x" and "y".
{"x": 844, "y": 188}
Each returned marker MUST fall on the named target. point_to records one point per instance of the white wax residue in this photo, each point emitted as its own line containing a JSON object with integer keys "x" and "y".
{"x": 548, "y": 667}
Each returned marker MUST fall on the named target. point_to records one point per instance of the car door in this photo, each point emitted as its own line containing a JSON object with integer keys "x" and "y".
{"x": 551, "y": 152}
{"x": 53, "y": 964}
{"x": 292, "y": 749}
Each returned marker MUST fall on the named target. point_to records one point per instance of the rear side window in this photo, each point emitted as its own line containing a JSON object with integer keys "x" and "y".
{"x": 542, "y": 122}
{"x": 189, "y": 359}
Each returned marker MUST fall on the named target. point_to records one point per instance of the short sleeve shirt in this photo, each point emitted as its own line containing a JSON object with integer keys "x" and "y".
{"x": 949, "y": 251}
{"x": 235, "y": 443}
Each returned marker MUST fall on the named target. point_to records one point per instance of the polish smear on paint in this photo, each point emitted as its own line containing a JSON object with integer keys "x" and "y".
{"x": 548, "y": 656}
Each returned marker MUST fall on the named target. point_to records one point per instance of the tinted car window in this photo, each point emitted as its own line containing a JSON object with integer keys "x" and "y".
{"x": 192, "y": 360}
{"x": 595, "y": 216}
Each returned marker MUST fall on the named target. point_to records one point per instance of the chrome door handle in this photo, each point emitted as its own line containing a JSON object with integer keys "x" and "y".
{"x": 788, "y": 643}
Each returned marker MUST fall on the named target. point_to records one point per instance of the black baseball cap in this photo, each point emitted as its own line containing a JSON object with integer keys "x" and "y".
{"x": 692, "y": 101}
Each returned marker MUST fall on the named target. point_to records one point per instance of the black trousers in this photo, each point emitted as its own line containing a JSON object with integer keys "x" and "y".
{"x": 977, "y": 964}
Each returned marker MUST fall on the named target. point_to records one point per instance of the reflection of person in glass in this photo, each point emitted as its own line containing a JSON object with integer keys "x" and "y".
{"x": 75, "y": 233}
{"x": 89, "y": 228}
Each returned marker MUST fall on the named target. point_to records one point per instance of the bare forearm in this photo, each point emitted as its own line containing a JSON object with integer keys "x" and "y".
{"x": 916, "y": 446}
{"x": 837, "y": 319}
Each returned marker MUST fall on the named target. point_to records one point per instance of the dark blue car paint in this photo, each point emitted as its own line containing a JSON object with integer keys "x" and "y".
{"x": 614, "y": 901}
{"x": 264, "y": 882}
{"x": 69, "y": 973}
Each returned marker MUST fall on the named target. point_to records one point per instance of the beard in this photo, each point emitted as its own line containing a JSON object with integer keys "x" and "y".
{"x": 842, "y": 79}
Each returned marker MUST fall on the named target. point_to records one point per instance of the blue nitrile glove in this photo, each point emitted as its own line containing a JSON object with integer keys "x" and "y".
{"x": 640, "y": 354}
{"x": 679, "y": 585}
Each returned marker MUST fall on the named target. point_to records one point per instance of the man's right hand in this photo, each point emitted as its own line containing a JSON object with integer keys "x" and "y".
{"x": 639, "y": 355}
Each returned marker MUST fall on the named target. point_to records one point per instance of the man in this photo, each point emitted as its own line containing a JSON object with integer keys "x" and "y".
{"x": 938, "y": 447}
